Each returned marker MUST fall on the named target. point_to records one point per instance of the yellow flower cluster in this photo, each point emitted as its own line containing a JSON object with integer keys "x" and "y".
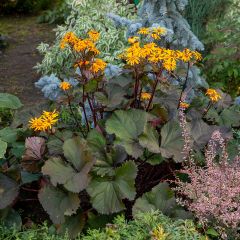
{"x": 155, "y": 32}
{"x": 187, "y": 55}
{"x": 44, "y": 122}
{"x": 150, "y": 52}
{"x": 145, "y": 96}
{"x": 213, "y": 95}
{"x": 133, "y": 40}
{"x": 98, "y": 65}
{"x": 69, "y": 38}
{"x": 81, "y": 45}
{"x": 65, "y": 86}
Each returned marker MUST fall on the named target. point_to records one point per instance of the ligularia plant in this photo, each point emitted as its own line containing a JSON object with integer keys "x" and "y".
{"x": 124, "y": 136}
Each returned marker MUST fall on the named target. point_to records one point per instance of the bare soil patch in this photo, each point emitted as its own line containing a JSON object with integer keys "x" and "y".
{"x": 17, "y": 75}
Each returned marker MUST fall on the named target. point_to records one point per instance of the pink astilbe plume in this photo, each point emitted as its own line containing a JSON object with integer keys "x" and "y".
{"x": 213, "y": 192}
{"x": 187, "y": 148}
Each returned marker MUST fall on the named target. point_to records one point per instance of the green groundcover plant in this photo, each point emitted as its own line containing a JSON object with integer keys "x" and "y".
{"x": 126, "y": 138}
{"x": 200, "y": 13}
{"x": 150, "y": 225}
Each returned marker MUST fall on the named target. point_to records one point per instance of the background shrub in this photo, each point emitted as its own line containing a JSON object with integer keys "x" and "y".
{"x": 24, "y": 6}
{"x": 222, "y": 41}
{"x": 58, "y": 14}
{"x": 199, "y": 13}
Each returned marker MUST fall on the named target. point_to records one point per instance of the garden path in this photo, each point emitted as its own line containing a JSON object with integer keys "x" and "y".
{"x": 17, "y": 75}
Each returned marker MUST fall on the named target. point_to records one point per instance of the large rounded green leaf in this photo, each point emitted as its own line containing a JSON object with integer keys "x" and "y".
{"x": 58, "y": 171}
{"x": 106, "y": 157}
{"x": 9, "y": 101}
{"x": 55, "y": 145}
{"x": 172, "y": 141}
{"x": 115, "y": 95}
{"x": 149, "y": 139}
{"x": 58, "y": 204}
{"x": 201, "y": 132}
{"x": 73, "y": 225}
{"x": 77, "y": 152}
{"x": 127, "y": 126}
{"x": 225, "y": 101}
{"x": 96, "y": 141}
{"x": 62, "y": 173}
{"x": 123, "y": 80}
{"x": 107, "y": 193}
{"x": 8, "y": 191}
{"x": 230, "y": 117}
{"x": 161, "y": 197}
{"x": 8, "y": 134}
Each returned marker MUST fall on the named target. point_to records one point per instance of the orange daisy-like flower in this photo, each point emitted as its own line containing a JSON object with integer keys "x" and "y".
{"x": 36, "y": 124}
{"x": 160, "y": 30}
{"x": 133, "y": 39}
{"x": 155, "y": 36}
{"x": 145, "y": 96}
{"x": 94, "y": 35}
{"x": 98, "y": 65}
{"x": 213, "y": 95}
{"x": 65, "y": 86}
{"x": 186, "y": 55}
{"x": 143, "y": 31}
{"x": 197, "y": 55}
{"x": 170, "y": 64}
{"x": 44, "y": 122}
{"x": 69, "y": 38}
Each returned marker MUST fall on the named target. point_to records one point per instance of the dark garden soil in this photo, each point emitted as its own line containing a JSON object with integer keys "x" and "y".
{"x": 17, "y": 75}
{"x": 29, "y": 207}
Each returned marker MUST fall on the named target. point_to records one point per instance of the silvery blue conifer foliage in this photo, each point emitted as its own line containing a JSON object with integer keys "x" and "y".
{"x": 50, "y": 84}
{"x": 164, "y": 13}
